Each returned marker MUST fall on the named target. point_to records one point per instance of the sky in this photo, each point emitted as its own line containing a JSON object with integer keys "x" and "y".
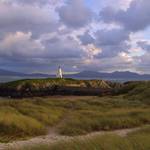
{"x": 98, "y": 35}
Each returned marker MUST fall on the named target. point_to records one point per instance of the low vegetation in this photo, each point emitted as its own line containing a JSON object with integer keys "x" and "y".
{"x": 138, "y": 140}
{"x": 69, "y": 115}
{"x": 107, "y": 113}
{"x": 129, "y": 107}
{"x": 26, "y": 118}
{"x": 139, "y": 90}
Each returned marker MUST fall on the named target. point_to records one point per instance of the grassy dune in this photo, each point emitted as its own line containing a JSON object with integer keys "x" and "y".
{"x": 69, "y": 115}
{"x": 139, "y": 140}
{"x": 26, "y": 118}
{"x": 139, "y": 90}
{"x": 107, "y": 113}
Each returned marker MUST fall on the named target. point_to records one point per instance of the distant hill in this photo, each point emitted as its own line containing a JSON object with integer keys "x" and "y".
{"x": 10, "y": 73}
{"x": 4, "y": 72}
{"x": 114, "y": 75}
{"x": 127, "y": 75}
{"x": 86, "y": 74}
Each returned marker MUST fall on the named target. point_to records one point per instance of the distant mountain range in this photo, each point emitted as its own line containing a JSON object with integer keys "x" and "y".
{"x": 12, "y": 73}
{"x": 113, "y": 75}
{"x": 82, "y": 75}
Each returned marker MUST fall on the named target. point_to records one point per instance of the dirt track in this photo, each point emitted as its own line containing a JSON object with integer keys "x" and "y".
{"x": 53, "y": 137}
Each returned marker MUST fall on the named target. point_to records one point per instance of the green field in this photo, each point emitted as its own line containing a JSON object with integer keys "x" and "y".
{"x": 128, "y": 107}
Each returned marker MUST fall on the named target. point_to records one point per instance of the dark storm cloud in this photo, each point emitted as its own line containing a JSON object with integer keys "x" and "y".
{"x": 62, "y": 47}
{"x": 39, "y": 35}
{"x": 144, "y": 45}
{"x": 144, "y": 63}
{"x": 112, "y": 50}
{"x": 34, "y": 1}
{"x": 21, "y": 51}
{"x": 111, "y": 37}
{"x": 39, "y": 2}
{"x": 26, "y": 18}
{"x": 22, "y": 29}
{"x": 112, "y": 41}
{"x": 75, "y": 13}
{"x": 136, "y": 17}
{"x": 86, "y": 38}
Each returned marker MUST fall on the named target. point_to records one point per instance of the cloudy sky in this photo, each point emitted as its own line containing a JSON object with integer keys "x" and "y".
{"x": 99, "y": 35}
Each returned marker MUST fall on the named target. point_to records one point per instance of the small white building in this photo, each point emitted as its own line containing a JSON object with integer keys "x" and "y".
{"x": 59, "y": 73}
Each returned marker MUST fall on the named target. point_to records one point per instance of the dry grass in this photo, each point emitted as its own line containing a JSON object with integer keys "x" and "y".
{"x": 75, "y": 115}
{"x": 139, "y": 140}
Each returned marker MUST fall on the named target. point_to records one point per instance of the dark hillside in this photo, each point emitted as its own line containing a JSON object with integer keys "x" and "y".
{"x": 44, "y": 87}
{"x": 139, "y": 90}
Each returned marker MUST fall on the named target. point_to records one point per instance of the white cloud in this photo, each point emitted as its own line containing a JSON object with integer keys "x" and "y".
{"x": 27, "y": 18}
{"x": 20, "y": 44}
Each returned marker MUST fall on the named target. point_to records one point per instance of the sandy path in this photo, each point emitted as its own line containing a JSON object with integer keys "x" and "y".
{"x": 52, "y": 138}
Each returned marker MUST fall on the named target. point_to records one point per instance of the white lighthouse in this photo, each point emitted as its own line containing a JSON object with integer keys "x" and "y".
{"x": 59, "y": 73}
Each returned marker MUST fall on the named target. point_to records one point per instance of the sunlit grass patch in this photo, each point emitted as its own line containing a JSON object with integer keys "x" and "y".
{"x": 140, "y": 139}
{"x": 14, "y": 124}
{"x": 26, "y": 118}
{"x": 85, "y": 121}
{"x": 46, "y": 115}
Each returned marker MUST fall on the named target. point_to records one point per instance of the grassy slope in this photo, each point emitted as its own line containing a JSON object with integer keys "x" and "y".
{"x": 49, "y": 82}
{"x": 26, "y": 118}
{"x": 107, "y": 113}
{"x": 140, "y": 92}
{"x": 137, "y": 91}
{"x": 139, "y": 140}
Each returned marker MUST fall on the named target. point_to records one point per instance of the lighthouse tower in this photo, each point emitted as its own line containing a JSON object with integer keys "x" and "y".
{"x": 59, "y": 73}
